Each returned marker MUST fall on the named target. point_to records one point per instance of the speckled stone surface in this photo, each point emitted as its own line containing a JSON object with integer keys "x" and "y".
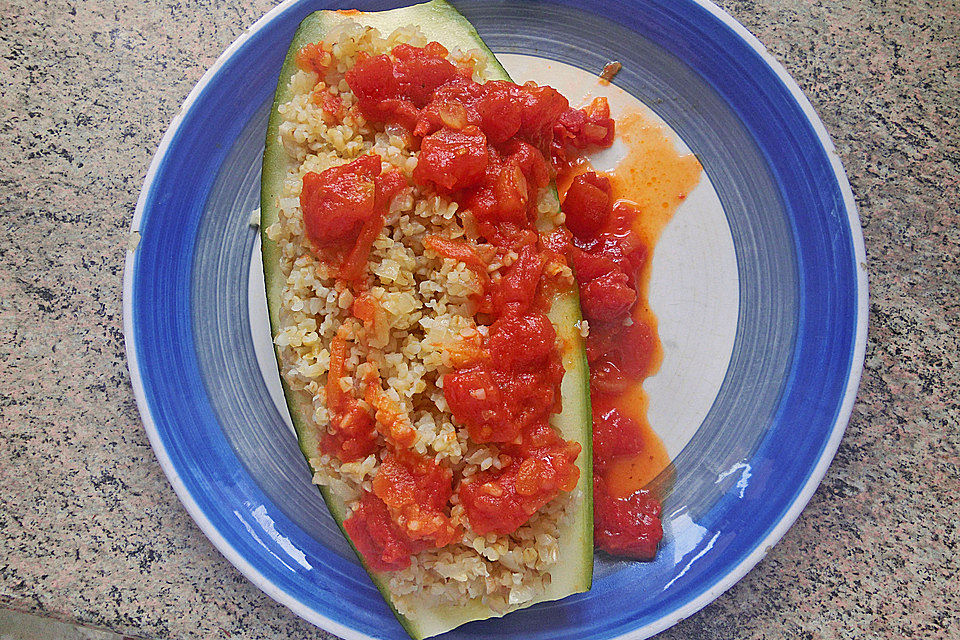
{"x": 90, "y": 530}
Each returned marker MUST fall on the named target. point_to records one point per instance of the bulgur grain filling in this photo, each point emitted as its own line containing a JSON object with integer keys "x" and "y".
{"x": 419, "y": 237}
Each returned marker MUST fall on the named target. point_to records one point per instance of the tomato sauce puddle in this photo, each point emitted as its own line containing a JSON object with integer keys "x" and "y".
{"x": 616, "y": 219}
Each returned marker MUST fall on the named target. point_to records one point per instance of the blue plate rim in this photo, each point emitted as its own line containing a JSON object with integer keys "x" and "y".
{"x": 709, "y": 594}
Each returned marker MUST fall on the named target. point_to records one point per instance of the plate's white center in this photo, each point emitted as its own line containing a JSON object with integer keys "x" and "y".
{"x": 693, "y": 286}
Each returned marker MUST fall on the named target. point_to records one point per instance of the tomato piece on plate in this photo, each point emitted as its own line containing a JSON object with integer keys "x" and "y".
{"x": 419, "y": 71}
{"x": 500, "y": 111}
{"x": 628, "y": 527}
{"x": 614, "y": 434}
{"x": 517, "y": 289}
{"x": 500, "y": 501}
{"x": 607, "y": 298}
{"x": 476, "y": 401}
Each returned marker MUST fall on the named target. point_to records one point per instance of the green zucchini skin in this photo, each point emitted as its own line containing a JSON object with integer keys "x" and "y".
{"x": 441, "y": 22}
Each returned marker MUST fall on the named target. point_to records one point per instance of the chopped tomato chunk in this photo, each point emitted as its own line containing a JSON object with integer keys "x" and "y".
{"x": 416, "y": 491}
{"x": 522, "y": 342}
{"x": 500, "y": 201}
{"x": 372, "y": 81}
{"x": 354, "y": 438}
{"x": 378, "y": 539}
{"x": 614, "y": 435}
{"x": 344, "y": 208}
{"x": 619, "y": 355}
{"x": 541, "y": 108}
{"x": 438, "y": 114}
{"x": 396, "y": 87}
{"x": 329, "y": 103}
{"x": 626, "y": 526}
{"x": 589, "y": 266}
{"x": 578, "y": 129}
{"x": 511, "y": 192}
{"x": 421, "y": 70}
{"x": 516, "y": 291}
{"x": 501, "y": 501}
{"x": 531, "y": 397}
{"x": 405, "y": 513}
{"x": 389, "y": 185}
{"x": 622, "y": 246}
{"x": 452, "y": 160}
{"x": 463, "y": 90}
{"x": 587, "y": 204}
{"x": 637, "y": 348}
{"x": 475, "y": 399}
{"x": 453, "y": 106}
{"x": 500, "y": 112}
{"x": 355, "y": 262}
{"x": 606, "y": 378}
{"x": 531, "y": 163}
{"x": 542, "y": 440}
{"x": 519, "y": 387}
{"x": 511, "y": 184}
{"x": 337, "y": 202}
{"x": 391, "y": 420}
{"x": 607, "y": 298}
{"x": 353, "y": 434}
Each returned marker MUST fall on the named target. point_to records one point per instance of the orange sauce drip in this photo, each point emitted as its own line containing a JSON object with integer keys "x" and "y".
{"x": 655, "y": 179}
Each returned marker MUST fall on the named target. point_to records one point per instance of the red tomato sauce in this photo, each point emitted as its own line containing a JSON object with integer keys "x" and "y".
{"x": 406, "y": 513}
{"x": 491, "y": 148}
{"x": 354, "y": 436}
{"x": 616, "y": 220}
{"x": 343, "y": 211}
{"x": 377, "y": 537}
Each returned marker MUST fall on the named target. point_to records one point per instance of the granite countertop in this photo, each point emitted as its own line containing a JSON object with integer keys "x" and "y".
{"x": 90, "y": 529}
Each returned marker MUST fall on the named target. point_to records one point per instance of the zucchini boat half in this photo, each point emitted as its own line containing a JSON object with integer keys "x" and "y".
{"x": 440, "y": 22}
